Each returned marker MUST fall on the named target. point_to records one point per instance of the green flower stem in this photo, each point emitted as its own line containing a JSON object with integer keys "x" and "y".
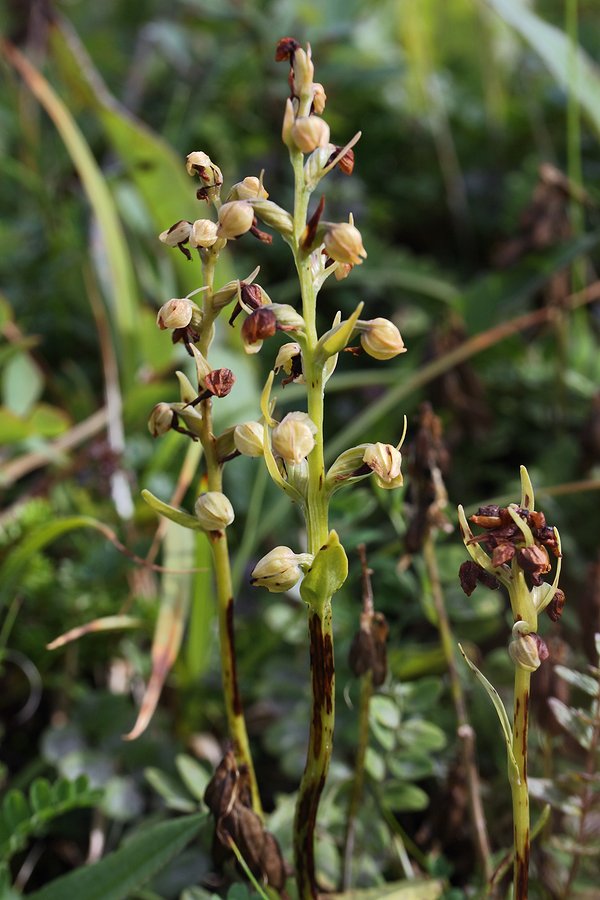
{"x": 518, "y": 784}
{"x": 523, "y": 610}
{"x": 320, "y": 740}
{"x": 222, "y": 566}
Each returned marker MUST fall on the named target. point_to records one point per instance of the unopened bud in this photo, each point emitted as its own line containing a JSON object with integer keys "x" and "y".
{"x": 251, "y": 188}
{"x": 204, "y": 233}
{"x": 319, "y": 97}
{"x": 248, "y": 438}
{"x": 293, "y": 439}
{"x": 280, "y": 569}
{"x": 214, "y": 511}
{"x": 528, "y": 651}
{"x": 304, "y": 70}
{"x": 310, "y": 132}
{"x": 274, "y": 216}
{"x": 235, "y": 219}
{"x": 381, "y": 339}
{"x": 161, "y": 419}
{"x": 349, "y": 465}
{"x": 177, "y": 234}
{"x": 175, "y": 314}
{"x": 343, "y": 242}
{"x": 385, "y": 461}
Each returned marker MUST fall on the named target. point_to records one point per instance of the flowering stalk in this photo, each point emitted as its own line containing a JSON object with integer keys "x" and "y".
{"x": 192, "y": 416}
{"x": 518, "y": 540}
{"x": 294, "y": 448}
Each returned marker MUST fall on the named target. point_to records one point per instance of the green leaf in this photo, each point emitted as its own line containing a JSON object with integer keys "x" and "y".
{"x": 19, "y": 559}
{"x": 411, "y": 765}
{"x": 327, "y": 573}
{"x": 156, "y": 170}
{"x": 422, "y": 735}
{"x": 123, "y": 306}
{"x": 384, "y": 711}
{"x": 12, "y": 427}
{"x": 194, "y": 776}
{"x": 169, "y": 789}
{"x": 15, "y": 809}
{"x": 583, "y": 682}
{"x": 500, "y": 710}
{"x": 374, "y": 764}
{"x": 22, "y": 384}
{"x": 404, "y": 797}
{"x": 40, "y": 794}
{"x": 123, "y": 872}
{"x": 575, "y": 721}
{"x": 572, "y": 69}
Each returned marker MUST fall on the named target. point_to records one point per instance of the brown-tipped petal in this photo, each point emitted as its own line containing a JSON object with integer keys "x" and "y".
{"x": 534, "y": 560}
{"x": 554, "y": 610}
{"x": 503, "y": 553}
{"x": 310, "y": 232}
{"x": 285, "y": 49}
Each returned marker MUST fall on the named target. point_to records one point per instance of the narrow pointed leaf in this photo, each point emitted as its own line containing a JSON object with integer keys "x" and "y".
{"x": 122, "y": 873}
{"x": 498, "y": 706}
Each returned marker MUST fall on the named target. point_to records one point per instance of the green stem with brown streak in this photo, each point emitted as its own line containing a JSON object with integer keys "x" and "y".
{"x": 316, "y": 512}
{"x": 222, "y": 564}
{"x": 523, "y": 610}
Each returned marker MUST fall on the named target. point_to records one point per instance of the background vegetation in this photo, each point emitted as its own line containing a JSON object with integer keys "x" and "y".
{"x": 460, "y": 103}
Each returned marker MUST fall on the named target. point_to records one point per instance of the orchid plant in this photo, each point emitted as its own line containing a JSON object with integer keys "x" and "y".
{"x": 292, "y": 447}
{"x": 518, "y": 542}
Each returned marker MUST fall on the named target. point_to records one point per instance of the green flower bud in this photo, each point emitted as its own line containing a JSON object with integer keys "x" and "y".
{"x": 280, "y": 569}
{"x": 214, "y": 511}
{"x": 204, "y": 233}
{"x": 161, "y": 419}
{"x": 380, "y": 338}
{"x": 348, "y": 467}
{"x": 235, "y": 219}
{"x": 293, "y": 439}
{"x": 274, "y": 216}
{"x": 248, "y": 438}
{"x": 310, "y": 132}
{"x": 385, "y": 461}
